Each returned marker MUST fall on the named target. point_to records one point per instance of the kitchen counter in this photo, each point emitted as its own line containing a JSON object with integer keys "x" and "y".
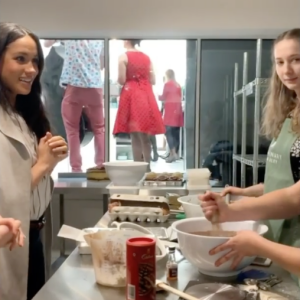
{"x": 75, "y": 281}
{"x": 75, "y": 278}
{"x": 73, "y": 185}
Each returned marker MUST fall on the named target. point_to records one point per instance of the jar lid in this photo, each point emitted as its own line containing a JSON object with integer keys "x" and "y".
{"x": 141, "y": 241}
{"x": 180, "y": 216}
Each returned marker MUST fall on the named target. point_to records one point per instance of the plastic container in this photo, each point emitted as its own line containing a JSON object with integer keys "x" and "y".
{"x": 198, "y": 176}
{"x": 115, "y": 189}
{"x": 108, "y": 249}
{"x": 197, "y": 189}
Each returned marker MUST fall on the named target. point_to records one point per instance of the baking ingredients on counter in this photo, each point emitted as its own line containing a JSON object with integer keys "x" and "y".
{"x": 141, "y": 269}
{"x": 172, "y": 266}
{"x": 96, "y": 173}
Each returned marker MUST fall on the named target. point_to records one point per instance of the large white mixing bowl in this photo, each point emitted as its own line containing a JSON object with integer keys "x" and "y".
{"x": 191, "y": 206}
{"x": 125, "y": 173}
{"x": 196, "y": 248}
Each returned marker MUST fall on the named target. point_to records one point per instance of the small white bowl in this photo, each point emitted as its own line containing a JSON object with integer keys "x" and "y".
{"x": 195, "y": 248}
{"x": 191, "y": 206}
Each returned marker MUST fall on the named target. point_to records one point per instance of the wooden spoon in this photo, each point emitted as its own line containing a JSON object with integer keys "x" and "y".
{"x": 216, "y": 228}
{"x": 215, "y": 219}
{"x": 163, "y": 286}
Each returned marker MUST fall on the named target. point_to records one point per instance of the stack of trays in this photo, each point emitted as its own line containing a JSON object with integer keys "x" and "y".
{"x": 164, "y": 179}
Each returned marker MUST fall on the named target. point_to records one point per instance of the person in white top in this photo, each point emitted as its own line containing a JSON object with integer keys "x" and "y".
{"x": 29, "y": 153}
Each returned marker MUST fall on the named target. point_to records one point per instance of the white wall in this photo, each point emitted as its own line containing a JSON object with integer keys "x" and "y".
{"x": 153, "y": 18}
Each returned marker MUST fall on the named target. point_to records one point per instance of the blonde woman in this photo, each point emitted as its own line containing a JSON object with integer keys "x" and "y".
{"x": 281, "y": 123}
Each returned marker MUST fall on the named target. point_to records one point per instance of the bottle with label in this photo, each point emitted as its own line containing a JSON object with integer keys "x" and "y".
{"x": 172, "y": 266}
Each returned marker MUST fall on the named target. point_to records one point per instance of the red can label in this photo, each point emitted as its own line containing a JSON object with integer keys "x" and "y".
{"x": 141, "y": 269}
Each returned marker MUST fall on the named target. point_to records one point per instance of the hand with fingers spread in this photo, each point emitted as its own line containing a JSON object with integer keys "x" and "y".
{"x": 244, "y": 243}
{"x": 214, "y": 203}
{"x": 11, "y": 229}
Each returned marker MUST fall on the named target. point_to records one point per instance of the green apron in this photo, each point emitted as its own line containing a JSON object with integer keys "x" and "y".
{"x": 279, "y": 175}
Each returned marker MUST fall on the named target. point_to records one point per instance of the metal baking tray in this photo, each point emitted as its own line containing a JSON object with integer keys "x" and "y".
{"x": 163, "y": 183}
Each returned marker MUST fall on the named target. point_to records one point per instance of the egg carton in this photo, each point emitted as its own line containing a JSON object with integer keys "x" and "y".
{"x": 141, "y": 214}
{"x": 139, "y": 208}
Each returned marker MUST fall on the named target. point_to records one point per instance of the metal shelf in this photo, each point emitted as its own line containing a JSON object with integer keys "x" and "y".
{"x": 249, "y": 161}
{"x": 255, "y": 88}
{"x": 249, "y": 88}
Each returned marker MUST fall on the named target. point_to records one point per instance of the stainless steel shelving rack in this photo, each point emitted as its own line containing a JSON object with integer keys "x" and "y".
{"x": 256, "y": 88}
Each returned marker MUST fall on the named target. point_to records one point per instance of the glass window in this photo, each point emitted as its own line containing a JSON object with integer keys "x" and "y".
{"x": 72, "y": 84}
{"x": 218, "y": 58}
{"x": 169, "y": 100}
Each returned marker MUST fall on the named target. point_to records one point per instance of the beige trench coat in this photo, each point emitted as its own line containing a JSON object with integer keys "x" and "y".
{"x": 15, "y": 202}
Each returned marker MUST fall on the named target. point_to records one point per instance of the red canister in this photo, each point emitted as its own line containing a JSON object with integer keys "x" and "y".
{"x": 141, "y": 269}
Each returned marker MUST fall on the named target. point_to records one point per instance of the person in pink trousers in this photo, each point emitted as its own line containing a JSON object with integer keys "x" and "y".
{"x": 81, "y": 78}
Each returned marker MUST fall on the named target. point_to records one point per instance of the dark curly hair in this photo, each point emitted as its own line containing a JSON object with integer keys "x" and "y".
{"x": 135, "y": 42}
{"x": 30, "y": 106}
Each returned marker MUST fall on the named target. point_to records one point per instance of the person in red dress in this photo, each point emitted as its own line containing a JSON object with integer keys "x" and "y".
{"x": 173, "y": 114}
{"x": 138, "y": 113}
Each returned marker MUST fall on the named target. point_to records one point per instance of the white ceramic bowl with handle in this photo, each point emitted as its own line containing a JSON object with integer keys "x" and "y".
{"x": 125, "y": 173}
{"x": 195, "y": 248}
